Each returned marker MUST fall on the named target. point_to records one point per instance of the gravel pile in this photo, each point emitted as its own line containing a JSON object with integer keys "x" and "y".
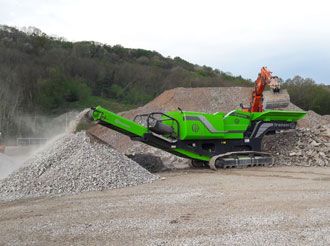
{"x": 73, "y": 163}
{"x": 302, "y": 147}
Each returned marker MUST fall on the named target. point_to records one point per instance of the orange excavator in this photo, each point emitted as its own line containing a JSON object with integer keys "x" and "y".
{"x": 261, "y": 99}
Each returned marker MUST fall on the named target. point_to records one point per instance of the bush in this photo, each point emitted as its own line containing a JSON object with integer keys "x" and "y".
{"x": 55, "y": 95}
{"x": 308, "y": 95}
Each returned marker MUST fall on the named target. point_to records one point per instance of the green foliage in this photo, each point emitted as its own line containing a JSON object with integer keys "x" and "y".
{"x": 53, "y": 76}
{"x": 136, "y": 95}
{"x": 114, "y": 105}
{"x": 308, "y": 95}
{"x": 125, "y": 75}
{"x": 116, "y": 90}
{"x": 57, "y": 93}
{"x": 48, "y": 75}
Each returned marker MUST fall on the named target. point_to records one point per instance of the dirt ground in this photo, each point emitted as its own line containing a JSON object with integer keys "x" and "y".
{"x": 254, "y": 206}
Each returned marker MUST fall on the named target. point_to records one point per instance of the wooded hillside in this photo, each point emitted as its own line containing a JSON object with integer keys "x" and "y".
{"x": 40, "y": 74}
{"x": 47, "y": 75}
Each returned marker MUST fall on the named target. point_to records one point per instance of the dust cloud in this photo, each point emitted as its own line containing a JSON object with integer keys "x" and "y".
{"x": 43, "y": 128}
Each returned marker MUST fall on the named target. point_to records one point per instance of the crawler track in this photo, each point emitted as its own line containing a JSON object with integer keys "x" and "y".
{"x": 241, "y": 159}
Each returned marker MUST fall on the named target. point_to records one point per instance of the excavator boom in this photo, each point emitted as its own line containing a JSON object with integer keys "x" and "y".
{"x": 276, "y": 98}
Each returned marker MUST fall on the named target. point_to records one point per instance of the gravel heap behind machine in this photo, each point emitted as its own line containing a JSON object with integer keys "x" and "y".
{"x": 216, "y": 140}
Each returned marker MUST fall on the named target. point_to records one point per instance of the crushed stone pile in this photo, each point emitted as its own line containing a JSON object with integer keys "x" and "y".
{"x": 301, "y": 147}
{"x": 73, "y": 163}
{"x": 209, "y": 100}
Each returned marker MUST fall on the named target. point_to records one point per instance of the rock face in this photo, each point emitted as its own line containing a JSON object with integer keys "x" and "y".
{"x": 209, "y": 100}
{"x": 73, "y": 163}
{"x": 302, "y": 147}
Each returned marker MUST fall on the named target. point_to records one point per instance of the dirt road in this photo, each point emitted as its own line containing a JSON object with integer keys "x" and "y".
{"x": 255, "y": 206}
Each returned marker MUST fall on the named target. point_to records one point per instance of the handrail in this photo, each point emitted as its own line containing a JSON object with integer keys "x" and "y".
{"x": 151, "y": 115}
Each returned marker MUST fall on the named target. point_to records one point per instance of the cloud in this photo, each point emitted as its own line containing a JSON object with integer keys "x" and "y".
{"x": 239, "y": 36}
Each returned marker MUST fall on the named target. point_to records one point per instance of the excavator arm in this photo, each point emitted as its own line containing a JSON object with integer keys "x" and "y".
{"x": 264, "y": 78}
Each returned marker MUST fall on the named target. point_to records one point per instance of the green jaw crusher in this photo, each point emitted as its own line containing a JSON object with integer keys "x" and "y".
{"x": 216, "y": 140}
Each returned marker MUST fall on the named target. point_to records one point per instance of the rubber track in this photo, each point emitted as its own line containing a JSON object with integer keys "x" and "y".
{"x": 241, "y": 159}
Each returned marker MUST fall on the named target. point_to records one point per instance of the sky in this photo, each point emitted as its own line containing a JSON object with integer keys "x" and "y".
{"x": 238, "y": 36}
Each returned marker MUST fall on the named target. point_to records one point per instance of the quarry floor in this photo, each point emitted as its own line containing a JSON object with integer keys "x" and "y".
{"x": 254, "y": 206}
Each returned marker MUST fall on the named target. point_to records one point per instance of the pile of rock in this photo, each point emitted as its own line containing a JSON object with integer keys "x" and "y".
{"x": 302, "y": 147}
{"x": 73, "y": 163}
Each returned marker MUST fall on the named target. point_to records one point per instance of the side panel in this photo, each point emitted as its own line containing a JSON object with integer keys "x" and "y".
{"x": 197, "y": 125}
{"x": 278, "y": 115}
{"x": 203, "y": 126}
{"x": 236, "y": 124}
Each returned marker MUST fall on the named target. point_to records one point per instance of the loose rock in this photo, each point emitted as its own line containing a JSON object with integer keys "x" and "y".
{"x": 73, "y": 163}
{"x": 301, "y": 147}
